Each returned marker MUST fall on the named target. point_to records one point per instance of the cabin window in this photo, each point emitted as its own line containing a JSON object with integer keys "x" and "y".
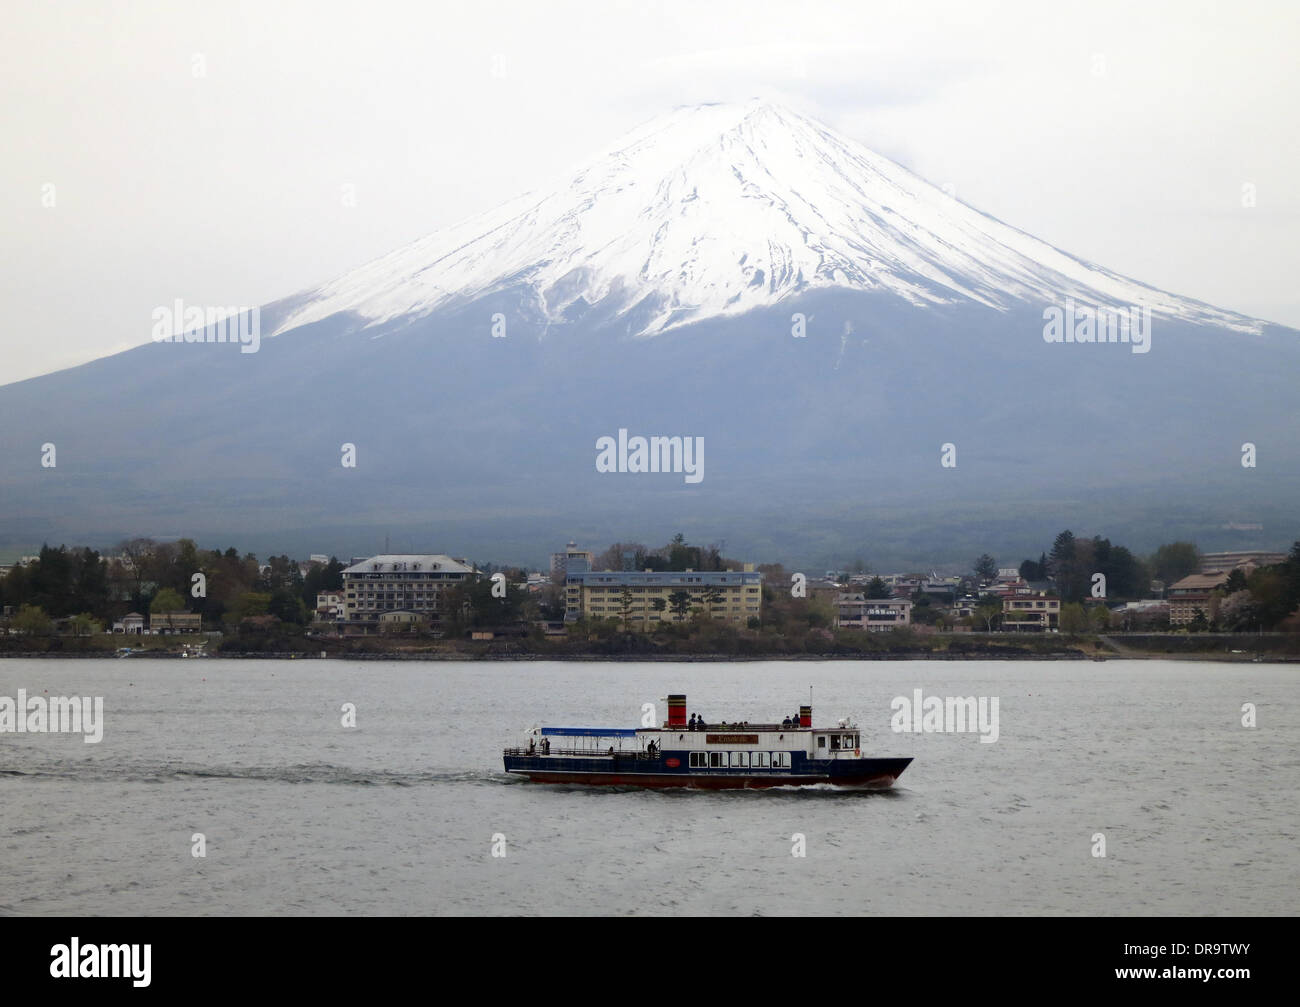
{"x": 762, "y": 760}
{"x": 835, "y": 742}
{"x": 698, "y": 760}
{"x": 715, "y": 759}
{"x": 821, "y": 741}
{"x": 781, "y": 760}
{"x": 739, "y": 760}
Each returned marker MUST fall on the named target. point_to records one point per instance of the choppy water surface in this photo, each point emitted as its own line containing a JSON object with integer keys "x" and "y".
{"x": 397, "y": 816}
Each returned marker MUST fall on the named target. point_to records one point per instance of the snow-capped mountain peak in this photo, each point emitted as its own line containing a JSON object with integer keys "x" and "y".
{"x": 719, "y": 209}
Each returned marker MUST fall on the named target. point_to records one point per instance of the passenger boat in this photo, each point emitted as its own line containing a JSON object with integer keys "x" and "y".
{"x": 692, "y": 753}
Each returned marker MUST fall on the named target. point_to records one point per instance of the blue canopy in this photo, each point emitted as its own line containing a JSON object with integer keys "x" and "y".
{"x": 590, "y": 732}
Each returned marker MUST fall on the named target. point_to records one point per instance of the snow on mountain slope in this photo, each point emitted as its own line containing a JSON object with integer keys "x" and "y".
{"x": 719, "y": 209}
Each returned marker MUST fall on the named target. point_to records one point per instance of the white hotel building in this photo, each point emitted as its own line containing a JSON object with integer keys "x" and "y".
{"x": 392, "y": 588}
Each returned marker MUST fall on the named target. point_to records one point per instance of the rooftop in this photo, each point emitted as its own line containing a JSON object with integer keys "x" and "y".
{"x": 408, "y": 563}
{"x": 684, "y": 578}
{"x": 1200, "y": 582}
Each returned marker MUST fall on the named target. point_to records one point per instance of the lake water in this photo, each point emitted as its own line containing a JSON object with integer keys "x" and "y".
{"x": 397, "y": 815}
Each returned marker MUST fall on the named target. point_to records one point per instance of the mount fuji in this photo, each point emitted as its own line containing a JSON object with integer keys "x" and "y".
{"x": 715, "y": 210}
{"x": 823, "y": 319}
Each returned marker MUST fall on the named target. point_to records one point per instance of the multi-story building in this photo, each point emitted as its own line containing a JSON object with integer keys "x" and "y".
{"x": 560, "y": 560}
{"x": 1031, "y": 611}
{"x": 1226, "y": 562}
{"x": 399, "y": 583}
{"x": 857, "y": 611}
{"x": 1191, "y": 594}
{"x": 729, "y": 595}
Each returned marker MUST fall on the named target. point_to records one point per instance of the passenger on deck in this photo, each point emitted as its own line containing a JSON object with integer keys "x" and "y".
{"x": 532, "y": 745}
{"x": 700, "y": 725}
{"x": 786, "y": 723}
{"x": 546, "y": 746}
{"x": 692, "y": 725}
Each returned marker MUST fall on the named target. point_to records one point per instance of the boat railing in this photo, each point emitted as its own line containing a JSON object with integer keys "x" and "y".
{"x": 594, "y": 753}
{"x": 734, "y": 728}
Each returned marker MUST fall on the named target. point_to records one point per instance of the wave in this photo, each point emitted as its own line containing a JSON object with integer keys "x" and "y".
{"x": 302, "y": 773}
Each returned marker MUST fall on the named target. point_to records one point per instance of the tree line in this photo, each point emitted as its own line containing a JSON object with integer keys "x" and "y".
{"x": 151, "y": 576}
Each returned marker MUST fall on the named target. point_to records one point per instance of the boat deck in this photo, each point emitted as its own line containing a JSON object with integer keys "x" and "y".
{"x": 582, "y": 753}
{"x": 730, "y": 727}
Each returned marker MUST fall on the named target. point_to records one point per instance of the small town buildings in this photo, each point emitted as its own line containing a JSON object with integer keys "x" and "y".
{"x": 1031, "y": 612}
{"x": 1193, "y": 594}
{"x": 903, "y": 585}
{"x": 176, "y": 622}
{"x": 329, "y": 606}
{"x": 133, "y": 624}
{"x": 873, "y": 615}
{"x": 941, "y": 590}
{"x": 400, "y": 583}
{"x": 964, "y": 607}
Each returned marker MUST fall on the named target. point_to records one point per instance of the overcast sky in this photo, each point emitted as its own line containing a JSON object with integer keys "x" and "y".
{"x": 200, "y": 150}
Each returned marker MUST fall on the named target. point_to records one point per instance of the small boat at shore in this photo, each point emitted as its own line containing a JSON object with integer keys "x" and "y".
{"x": 732, "y": 755}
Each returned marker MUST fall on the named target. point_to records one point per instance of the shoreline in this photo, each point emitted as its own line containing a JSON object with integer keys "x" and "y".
{"x": 438, "y": 657}
{"x": 1282, "y": 648}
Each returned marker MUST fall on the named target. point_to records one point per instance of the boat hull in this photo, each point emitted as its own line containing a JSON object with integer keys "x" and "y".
{"x": 855, "y": 773}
